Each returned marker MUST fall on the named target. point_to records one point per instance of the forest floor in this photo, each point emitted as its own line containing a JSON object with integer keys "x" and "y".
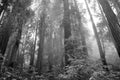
{"x": 77, "y": 70}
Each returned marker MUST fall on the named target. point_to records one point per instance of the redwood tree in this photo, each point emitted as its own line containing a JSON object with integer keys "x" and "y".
{"x": 102, "y": 53}
{"x": 42, "y": 29}
{"x": 114, "y": 25}
{"x": 67, "y": 26}
{"x": 20, "y": 16}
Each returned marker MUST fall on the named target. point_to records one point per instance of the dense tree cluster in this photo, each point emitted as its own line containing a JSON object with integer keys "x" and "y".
{"x": 51, "y": 39}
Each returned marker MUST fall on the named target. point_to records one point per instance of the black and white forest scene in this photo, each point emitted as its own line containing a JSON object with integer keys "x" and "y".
{"x": 59, "y": 39}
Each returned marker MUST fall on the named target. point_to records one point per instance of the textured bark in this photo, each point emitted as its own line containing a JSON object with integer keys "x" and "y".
{"x": 102, "y": 53}
{"x": 42, "y": 28}
{"x": 33, "y": 50}
{"x": 4, "y": 41}
{"x": 9, "y": 53}
{"x": 7, "y": 26}
{"x": 113, "y": 23}
{"x": 66, "y": 19}
{"x": 19, "y": 17}
{"x": 67, "y": 26}
{"x": 6, "y": 31}
{"x": 50, "y": 54}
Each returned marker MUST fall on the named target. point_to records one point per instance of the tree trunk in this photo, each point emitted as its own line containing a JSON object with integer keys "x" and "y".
{"x": 66, "y": 19}
{"x": 10, "y": 50}
{"x": 10, "y": 20}
{"x": 16, "y": 24}
{"x": 42, "y": 28}
{"x": 113, "y": 23}
{"x": 4, "y": 41}
{"x": 50, "y": 55}
{"x": 102, "y": 54}
{"x": 67, "y": 26}
{"x": 33, "y": 51}
{"x": 6, "y": 31}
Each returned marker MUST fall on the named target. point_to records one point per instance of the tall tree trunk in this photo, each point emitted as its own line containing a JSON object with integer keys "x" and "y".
{"x": 66, "y": 19}
{"x": 14, "y": 39}
{"x": 13, "y": 44}
{"x": 6, "y": 31}
{"x": 102, "y": 54}
{"x": 50, "y": 55}
{"x": 10, "y": 53}
{"x": 33, "y": 50}
{"x": 104, "y": 19}
{"x": 42, "y": 28}
{"x": 66, "y": 25}
{"x": 113, "y": 23}
{"x": 41, "y": 44}
{"x": 4, "y": 40}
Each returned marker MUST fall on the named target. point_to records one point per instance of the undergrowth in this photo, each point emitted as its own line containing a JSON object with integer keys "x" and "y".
{"x": 80, "y": 68}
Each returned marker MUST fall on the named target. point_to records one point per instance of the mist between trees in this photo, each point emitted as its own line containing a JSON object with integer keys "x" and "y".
{"x": 60, "y": 39}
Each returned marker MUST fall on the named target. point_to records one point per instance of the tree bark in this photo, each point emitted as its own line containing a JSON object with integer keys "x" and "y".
{"x": 67, "y": 26}
{"x": 102, "y": 54}
{"x": 6, "y": 31}
{"x": 113, "y": 23}
{"x": 11, "y": 49}
{"x": 50, "y": 55}
{"x": 33, "y": 51}
{"x": 20, "y": 18}
{"x": 66, "y": 19}
{"x": 42, "y": 28}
